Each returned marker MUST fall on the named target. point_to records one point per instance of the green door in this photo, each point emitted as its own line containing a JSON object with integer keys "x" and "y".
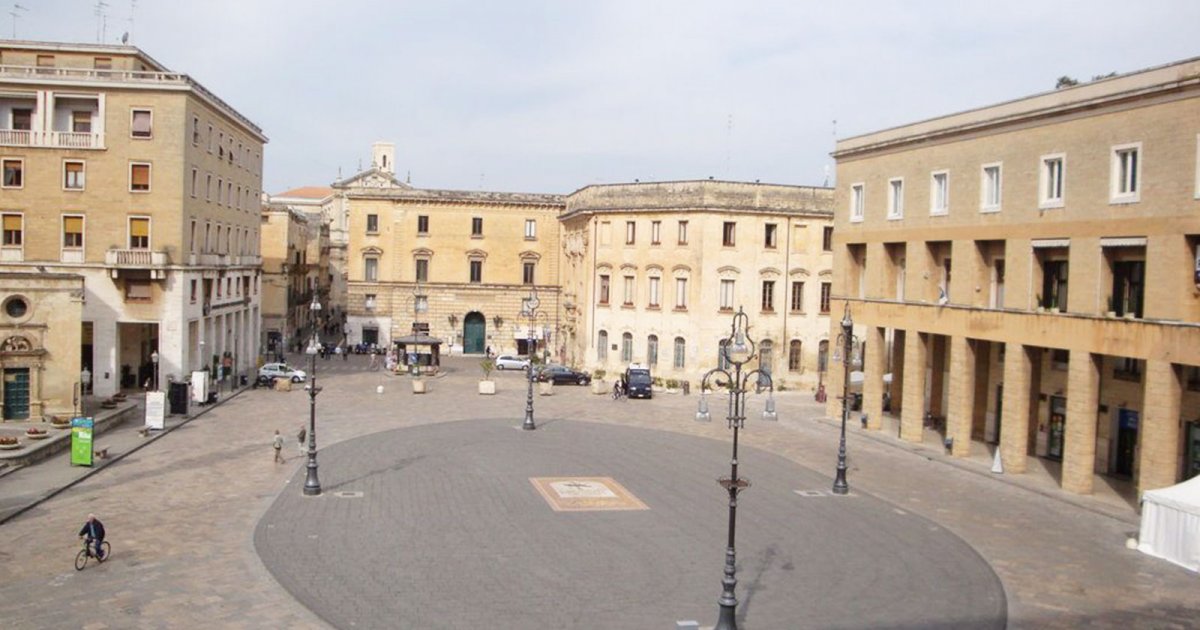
{"x": 16, "y": 394}
{"x": 474, "y": 333}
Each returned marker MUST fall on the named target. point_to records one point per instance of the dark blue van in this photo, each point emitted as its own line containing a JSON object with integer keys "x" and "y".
{"x": 637, "y": 381}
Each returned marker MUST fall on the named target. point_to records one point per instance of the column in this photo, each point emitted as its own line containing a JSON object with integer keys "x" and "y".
{"x": 912, "y": 419}
{"x": 1014, "y": 425}
{"x": 896, "y": 390}
{"x": 1083, "y": 400}
{"x": 833, "y": 369}
{"x": 937, "y": 374}
{"x": 1158, "y": 436}
{"x": 873, "y": 368}
{"x": 961, "y": 410}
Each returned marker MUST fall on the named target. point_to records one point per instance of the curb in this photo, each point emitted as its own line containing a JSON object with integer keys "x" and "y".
{"x": 933, "y": 456}
{"x": 96, "y": 469}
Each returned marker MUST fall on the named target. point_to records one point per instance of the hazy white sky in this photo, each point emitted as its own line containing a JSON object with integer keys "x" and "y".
{"x": 554, "y": 95}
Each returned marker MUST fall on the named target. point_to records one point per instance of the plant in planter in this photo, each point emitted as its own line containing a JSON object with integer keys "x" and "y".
{"x": 487, "y": 386}
{"x": 8, "y": 442}
{"x": 60, "y": 423}
{"x": 35, "y": 433}
{"x": 1054, "y": 305}
{"x": 598, "y": 384}
{"x": 1041, "y": 306}
{"x": 672, "y": 385}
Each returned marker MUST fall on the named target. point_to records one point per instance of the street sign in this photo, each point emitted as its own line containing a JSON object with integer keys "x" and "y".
{"x": 81, "y": 441}
{"x": 156, "y": 403}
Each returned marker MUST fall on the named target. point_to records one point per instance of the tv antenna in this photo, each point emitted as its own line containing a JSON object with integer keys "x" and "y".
{"x": 16, "y": 7}
{"x": 129, "y": 33}
{"x": 102, "y": 21}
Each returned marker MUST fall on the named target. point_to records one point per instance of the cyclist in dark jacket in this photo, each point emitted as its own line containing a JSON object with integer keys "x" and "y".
{"x": 93, "y": 529}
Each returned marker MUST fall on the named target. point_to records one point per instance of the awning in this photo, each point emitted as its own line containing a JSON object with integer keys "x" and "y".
{"x": 1123, "y": 241}
{"x": 1046, "y": 243}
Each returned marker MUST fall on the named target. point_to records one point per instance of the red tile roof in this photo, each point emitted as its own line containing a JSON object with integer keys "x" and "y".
{"x": 308, "y": 192}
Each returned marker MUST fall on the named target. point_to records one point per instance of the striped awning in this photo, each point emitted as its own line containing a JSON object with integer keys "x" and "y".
{"x": 1045, "y": 243}
{"x": 1123, "y": 241}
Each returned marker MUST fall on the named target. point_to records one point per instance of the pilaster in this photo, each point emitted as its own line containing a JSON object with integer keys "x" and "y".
{"x": 962, "y": 395}
{"x": 1083, "y": 400}
{"x": 1158, "y": 442}
{"x": 912, "y": 420}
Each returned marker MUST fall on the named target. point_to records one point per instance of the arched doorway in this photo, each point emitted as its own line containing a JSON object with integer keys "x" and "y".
{"x": 474, "y": 333}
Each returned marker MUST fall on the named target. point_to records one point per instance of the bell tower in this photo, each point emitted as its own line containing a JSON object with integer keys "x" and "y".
{"x": 383, "y": 156}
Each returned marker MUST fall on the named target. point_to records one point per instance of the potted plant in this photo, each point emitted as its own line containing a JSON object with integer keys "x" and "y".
{"x": 1054, "y": 305}
{"x": 546, "y": 388}
{"x": 672, "y": 386}
{"x": 487, "y": 386}
{"x": 1112, "y": 307}
{"x": 598, "y": 384}
{"x": 59, "y": 422}
{"x": 418, "y": 385}
{"x": 1041, "y": 308}
{"x": 35, "y": 433}
{"x": 8, "y": 443}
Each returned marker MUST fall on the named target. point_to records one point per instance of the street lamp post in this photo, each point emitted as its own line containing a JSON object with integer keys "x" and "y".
{"x": 154, "y": 360}
{"x": 845, "y": 342}
{"x": 312, "y": 484}
{"x": 738, "y": 349}
{"x": 530, "y": 310}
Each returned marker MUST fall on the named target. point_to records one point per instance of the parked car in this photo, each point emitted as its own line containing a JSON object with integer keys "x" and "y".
{"x": 560, "y": 374}
{"x": 637, "y": 381}
{"x": 282, "y": 370}
{"x": 510, "y": 362}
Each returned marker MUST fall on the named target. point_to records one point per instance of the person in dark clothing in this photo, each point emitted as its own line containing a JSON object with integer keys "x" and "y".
{"x": 93, "y": 530}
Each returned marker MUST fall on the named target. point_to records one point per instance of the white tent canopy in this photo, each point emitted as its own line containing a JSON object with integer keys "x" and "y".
{"x": 1171, "y": 524}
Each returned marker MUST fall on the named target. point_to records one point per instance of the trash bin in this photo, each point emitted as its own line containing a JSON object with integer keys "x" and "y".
{"x": 177, "y": 396}
{"x": 245, "y": 380}
{"x": 687, "y": 388}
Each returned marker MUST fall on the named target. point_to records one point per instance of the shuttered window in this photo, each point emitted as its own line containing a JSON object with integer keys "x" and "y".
{"x": 73, "y": 175}
{"x": 141, "y": 125}
{"x": 73, "y": 232}
{"x": 139, "y": 177}
{"x": 139, "y": 233}
{"x": 13, "y": 236}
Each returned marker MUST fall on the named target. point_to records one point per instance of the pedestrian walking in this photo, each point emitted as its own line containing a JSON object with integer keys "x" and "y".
{"x": 277, "y": 444}
{"x": 300, "y": 436}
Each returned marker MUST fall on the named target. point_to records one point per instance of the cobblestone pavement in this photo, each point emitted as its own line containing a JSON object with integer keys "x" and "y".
{"x": 181, "y": 513}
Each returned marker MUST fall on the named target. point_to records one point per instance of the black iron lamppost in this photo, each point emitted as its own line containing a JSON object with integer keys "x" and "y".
{"x": 846, "y": 343}
{"x": 530, "y": 310}
{"x": 312, "y": 485}
{"x": 737, "y": 349}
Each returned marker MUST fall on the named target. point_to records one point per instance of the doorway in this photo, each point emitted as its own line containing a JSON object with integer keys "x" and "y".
{"x": 474, "y": 333}
{"x": 1127, "y": 434}
{"x": 16, "y": 393}
{"x": 1058, "y": 423}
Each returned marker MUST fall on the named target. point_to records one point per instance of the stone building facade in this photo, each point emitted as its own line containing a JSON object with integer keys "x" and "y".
{"x": 1030, "y": 273}
{"x": 328, "y": 222}
{"x": 40, "y": 341}
{"x": 146, "y": 184}
{"x": 653, "y": 272}
{"x": 459, "y": 263}
{"x": 287, "y": 282}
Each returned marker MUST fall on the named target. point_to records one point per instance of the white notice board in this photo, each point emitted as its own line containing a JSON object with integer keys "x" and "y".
{"x": 156, "y": 403}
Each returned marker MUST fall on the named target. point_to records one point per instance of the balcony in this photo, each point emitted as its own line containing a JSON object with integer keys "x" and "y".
{"x": 51, "y": 139}
{"x": 137, "y": 259}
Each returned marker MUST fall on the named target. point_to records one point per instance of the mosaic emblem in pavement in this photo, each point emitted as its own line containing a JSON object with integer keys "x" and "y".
{"x": 579, "y": 494}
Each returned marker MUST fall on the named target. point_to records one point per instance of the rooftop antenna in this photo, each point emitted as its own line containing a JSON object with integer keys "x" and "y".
{"x": 15, "y": 15}
{"x": 102, "y": 22}
{"x": 129, "y": 33}
{"x": 408, "y": 177}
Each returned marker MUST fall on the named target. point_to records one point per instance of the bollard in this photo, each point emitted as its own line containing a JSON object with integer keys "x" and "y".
{"x": 379, "y": 389}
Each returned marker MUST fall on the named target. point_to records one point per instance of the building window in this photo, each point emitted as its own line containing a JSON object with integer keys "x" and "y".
{"x": 137, "y": 291}
{"x": 630, "y": 232}
{"x": 990, "y": 188}
{"x": 1128, "y": 287}
{"x": 604, "y": 288}
{"x": 727, "y": 295}
{"x": 681, "y": 294}
{"x": 371, "y": 269}
{"x": 72, "y": 232}
{"x": 1054, "y": 284}
{"x": 195, "y": 182}
{"x": 656, "y": 232}
{"x": 477, "y": 226}
{"x": 768, "y": 296}
{"x": 770, "y": 240}
{"x": 826, "y": 290}
{"x": 1127, "y": 369}
{"x": 795, "y": 358}
{"x": 81, "y": 121}
{"x": 857, "y": 211}
{"x": 939, "y": 193}
{"x": 208, "y": 187}
{"x": 193, "y": 291}
{"x": 14, "y": 233}
{"x": 476, "y": 271}
{"x": 530, "y": 229}
{"x": 372, "y": 223}
{"x": 14, "y": 173}
{"x": 602, "y": 345}
{"x": 139, "y": 177}
{"x": 652, "y": 350}
{"x": 823, "y": 355}
{"x": 229, "y": 194}
{"x": 195, "y": 131}
{"x": 1126, "y": 172}
{"x": 139, "y": 233}
{"x": 73, "y": 175}
{"x": 629, "y": 290}
{"x": 527, "y": 272}
{"x": 423, "y": 224}
{"x": 422, "y": 270}
{"x": 827, "y": 239}
{"x": 729, "y": 233}
{"x": 141, "y": 123}
{"x": 22, "y": 119}
{"x": 1051, "y": 181}
{"x": 655, "y": 292}
{"x": 626, "y": 347}
{"x": 797, "y": 296}
{"x": 220, "y": 191}
{"x": 683, "y": 236}
{"x": 680, "y": 349}
{"x": 210, "y": 138}
{"x": 895, "y": 198}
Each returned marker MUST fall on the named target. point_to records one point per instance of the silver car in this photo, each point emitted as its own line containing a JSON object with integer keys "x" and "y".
{"x": 282, "y": 370}
{"x": 510, "y": 362}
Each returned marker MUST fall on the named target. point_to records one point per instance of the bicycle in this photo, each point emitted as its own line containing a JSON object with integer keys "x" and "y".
{"x": 619, "y": 393}
{"x": 81, "y": 558}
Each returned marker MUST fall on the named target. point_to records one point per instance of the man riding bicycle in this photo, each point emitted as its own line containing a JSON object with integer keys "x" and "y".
{"x": 93, "y": 530}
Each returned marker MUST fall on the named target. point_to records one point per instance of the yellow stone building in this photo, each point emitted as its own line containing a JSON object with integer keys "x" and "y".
{"x": 40, "y": 337}
{"x": 653, "y": 272}
{"x": 288, "y": 278}
{"x": 146, "y": 184}
{"x": 1030, "y": 273}
{"x": 457, "y": 262}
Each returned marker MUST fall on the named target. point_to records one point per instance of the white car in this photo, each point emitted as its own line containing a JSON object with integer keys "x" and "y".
{"x": 509, "y": 362}
{"x": 282, "y": 370}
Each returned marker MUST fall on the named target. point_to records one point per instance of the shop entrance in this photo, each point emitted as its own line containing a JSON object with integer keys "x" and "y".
{"x": 1058, "y": 423}
{"x": 1127, "y": 435}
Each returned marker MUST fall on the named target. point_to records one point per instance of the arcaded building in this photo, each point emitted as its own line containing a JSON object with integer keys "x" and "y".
{"x": 653, "y": 273}
{"x": 1027, "y": 274}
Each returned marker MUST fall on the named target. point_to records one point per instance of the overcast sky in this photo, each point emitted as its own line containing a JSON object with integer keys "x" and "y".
{"x": 551, "y": 96}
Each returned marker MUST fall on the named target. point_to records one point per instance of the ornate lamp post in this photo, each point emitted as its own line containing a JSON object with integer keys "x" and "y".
{"x": 530, "y": 310}
{"x": 738, "y": 350}
{"x": 312, "y": 485}
{"x": 845, "y": 344}
{"x": 154, "y": 360}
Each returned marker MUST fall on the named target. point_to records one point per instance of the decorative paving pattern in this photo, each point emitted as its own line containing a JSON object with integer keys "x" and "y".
{"x": 584, "y": 494}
